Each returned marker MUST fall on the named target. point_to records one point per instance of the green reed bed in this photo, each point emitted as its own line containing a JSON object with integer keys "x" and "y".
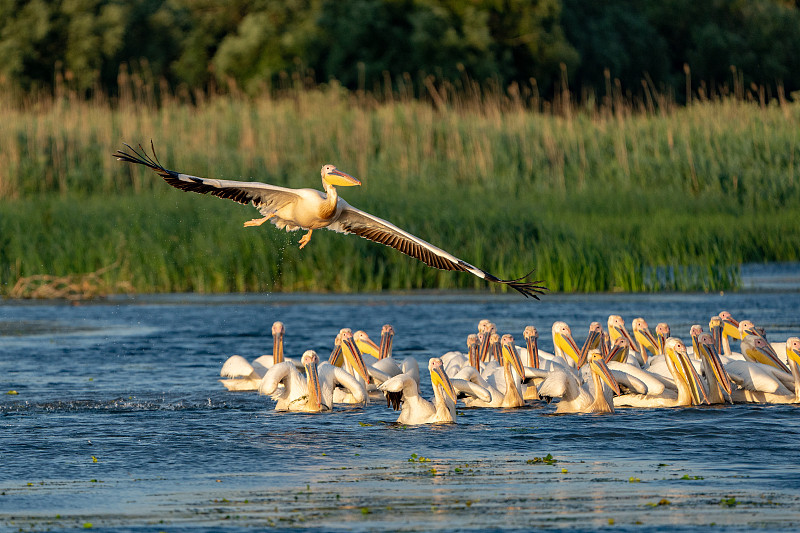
{"x": 595, "y": 200}
{"x": 180, "y": 242}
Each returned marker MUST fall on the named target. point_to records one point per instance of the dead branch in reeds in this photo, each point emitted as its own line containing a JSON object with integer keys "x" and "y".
{"x": 73, "y": 287}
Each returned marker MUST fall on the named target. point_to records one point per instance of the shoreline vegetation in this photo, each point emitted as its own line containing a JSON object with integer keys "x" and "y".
{"x": 603, "y": 196}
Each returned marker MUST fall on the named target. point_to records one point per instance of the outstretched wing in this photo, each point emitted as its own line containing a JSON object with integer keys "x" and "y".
{"x": 263, "y": 195}
{"x": 363, "y": 224}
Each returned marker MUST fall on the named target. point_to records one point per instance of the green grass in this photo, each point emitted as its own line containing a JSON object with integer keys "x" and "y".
{"x": 180, "y": 242}
{"x": 596, "y": 201}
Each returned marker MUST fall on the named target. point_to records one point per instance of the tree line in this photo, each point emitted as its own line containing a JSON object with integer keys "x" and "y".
{"x": 254, "y": 45}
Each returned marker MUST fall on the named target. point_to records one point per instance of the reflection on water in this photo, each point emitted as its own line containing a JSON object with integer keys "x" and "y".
{"x": 131, "y": 383}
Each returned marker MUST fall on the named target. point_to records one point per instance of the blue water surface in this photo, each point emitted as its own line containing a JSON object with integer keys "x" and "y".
{"x": 120, "y": 424}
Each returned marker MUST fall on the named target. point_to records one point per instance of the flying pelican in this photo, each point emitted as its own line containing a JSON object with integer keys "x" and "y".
{"x": 402, "y": 393}
{"x": 311, "y": 209}
{"x": 690, "y": 390}
{"x": 312, "y": 392}
{"x": 577, "y": 397}
{"x": 243, "y": 375}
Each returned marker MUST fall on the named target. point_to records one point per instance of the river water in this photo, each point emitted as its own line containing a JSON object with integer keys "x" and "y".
{"x": 119, "y": 424}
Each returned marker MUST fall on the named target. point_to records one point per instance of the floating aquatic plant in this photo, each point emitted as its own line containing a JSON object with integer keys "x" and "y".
{"x": 547, "y": 460}
{"x": 729, "y": 502}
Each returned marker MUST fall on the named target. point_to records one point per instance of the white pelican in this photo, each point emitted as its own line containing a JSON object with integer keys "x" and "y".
{"x": 616, "y": 328}
{"x": 593, "y": 340}
{"x": 312, "y": 392}
{"x": 366, "y": 345}
{"x": 531, "y": 336}
{"x": 577, "y": 397}
{"x": 765, "y": 354}
{"x": 387, "y": 336}
{"x": 760, "y": 382}
{"x": 715, "y": 328}
{"x": 719, "y": 383}
{"x": 793, "y": 356}
{"x": 503, "y": 385}
{"x": 689, "y": 387}
{"x": 645, "y": 339}
{"x": 472, "y": 352}
{"x": 662, "y": 334}
{"x": 243, "y": 375}
{"x": 402, "y": 393}
{"x": 311, "y": 209}
{"x": 620, "y": 352}
{"x": 564, "y": 345}
{"x": 350, "y": 358}
{"x": 730, "y": 328}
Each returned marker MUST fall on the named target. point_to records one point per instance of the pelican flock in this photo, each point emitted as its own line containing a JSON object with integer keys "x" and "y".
{"x": 310, "y": 209}
{"x": 613, "y": 369}
{"x": 632, "y": 371}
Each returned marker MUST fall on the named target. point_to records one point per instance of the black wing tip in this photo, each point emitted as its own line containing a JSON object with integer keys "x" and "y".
{"x": 394, "y": 400}
{"x": 140, "y": 157}
{"x": 529, "y": 289}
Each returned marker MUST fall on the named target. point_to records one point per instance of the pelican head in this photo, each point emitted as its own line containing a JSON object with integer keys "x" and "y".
{"x": 472, "y": 349}
{"x": 532, "y": 341}
{"x": 530, "y": 332}
{"x": 365, "y": 344}
{"x": 708, "y": 351}
{"x": 387, "y": 335}
{"x": 695, "y": 332}
{"x": 730, "y": 326}
{"x": 277, "y": 341}
{"x": 677, "y": 356}
{"x": 662, "y": 334}
{"x": 593, "y": 339}
{"x": 715, "y": 327}
{"x": 563, "y": 341}
{"x": 336, "y": 355}
{"x": 333, "y": 176}
{"x": 310, "y": 360}
{"x": 510, "y": 355}
{"x": 756, "y": 348}
{"x": 616, "y": 328}
{"x": 439, "y": 378}
{"x": 793, "y": 349}
{"x": 618, "y": 352}
{"x": 646, "y": 340}
{"x": 494, "y": 343}
{"x": 598, "y": 367}
{"x": 353, "y": 355}
{"x": 484, "y": 324}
